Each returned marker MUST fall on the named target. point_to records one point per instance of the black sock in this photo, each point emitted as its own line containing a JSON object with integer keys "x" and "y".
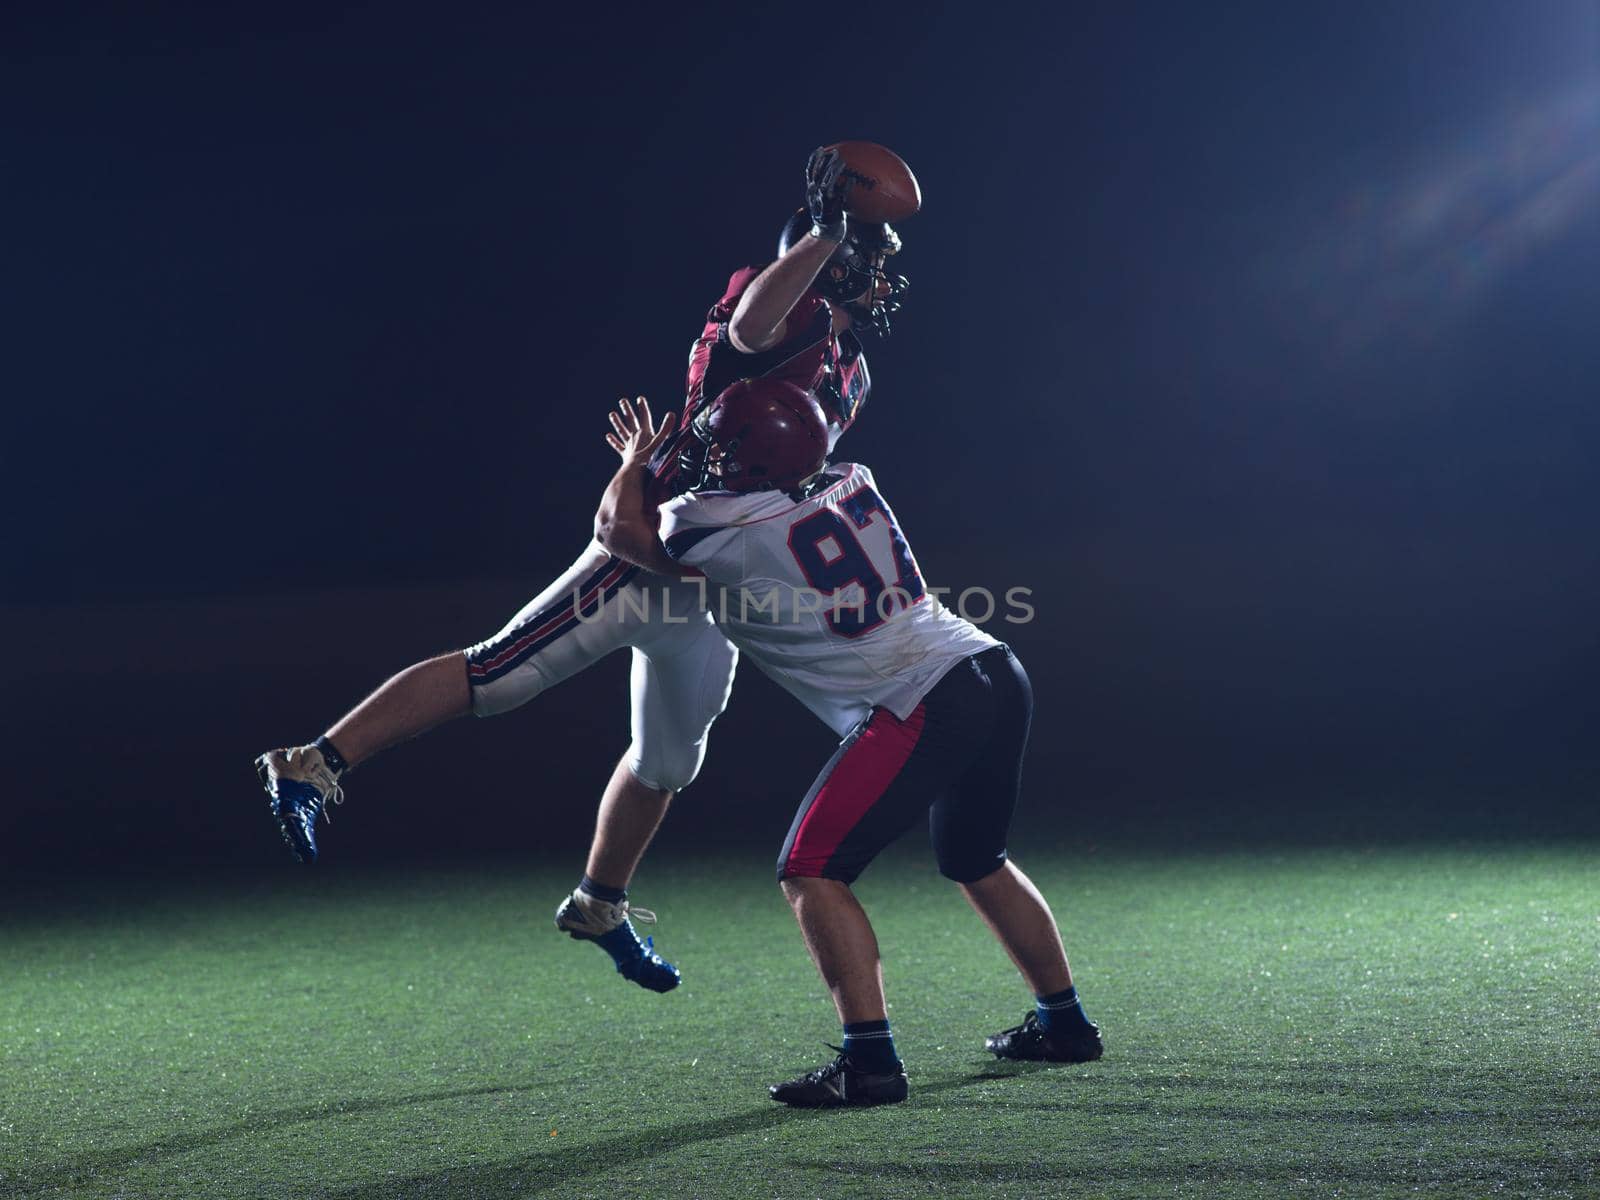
{"x": 600, "y": 891}
{"x": 1061, "y": 1012}
{"x": 870, "y": 1046}
{"x": 331, "y": 755}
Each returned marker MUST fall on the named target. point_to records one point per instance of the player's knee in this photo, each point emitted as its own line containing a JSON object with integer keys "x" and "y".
{"x": 965, "y": 864}
{"x": 800, "y": 890}
{"x": 790, "y": 869}
{"x": 797, "y": 865}
{"x": 666, "y": 766}
{"x": 492, "y": 697}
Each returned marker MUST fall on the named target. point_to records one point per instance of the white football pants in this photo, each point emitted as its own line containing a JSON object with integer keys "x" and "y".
{"x": 682, "y": 665}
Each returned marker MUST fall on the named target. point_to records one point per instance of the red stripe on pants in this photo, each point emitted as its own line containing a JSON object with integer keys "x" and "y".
{"x": 856, "y": 783}
{"x": 567, "y": 610}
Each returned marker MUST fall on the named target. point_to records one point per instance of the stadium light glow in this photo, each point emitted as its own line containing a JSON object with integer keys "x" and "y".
{"x": 1405, "y": 254}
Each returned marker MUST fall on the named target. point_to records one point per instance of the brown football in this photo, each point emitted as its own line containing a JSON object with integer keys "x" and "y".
{"x": 882, "y": 187}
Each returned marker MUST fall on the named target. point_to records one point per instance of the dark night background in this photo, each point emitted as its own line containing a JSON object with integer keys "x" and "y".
{"x": 1261, "y": 342}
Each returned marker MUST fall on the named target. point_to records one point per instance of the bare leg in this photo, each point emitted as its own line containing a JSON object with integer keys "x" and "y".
{"x": 629, "y": 814}
{"x": 842, "y": 945}
{"x": 425, "y": 694}
{"x": 1017, "y": 914}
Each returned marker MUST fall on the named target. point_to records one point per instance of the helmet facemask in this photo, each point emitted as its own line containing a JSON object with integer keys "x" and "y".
{"x": 855, "y": 278}
{"x": 850, "y": 278}
{"x": 711, "y": 465}
{"x": 696, "y": 462}
{"x": 758, "y": 434}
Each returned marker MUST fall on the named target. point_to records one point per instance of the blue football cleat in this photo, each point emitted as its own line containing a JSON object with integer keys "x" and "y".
{"x": 300, "y": 787}
{"x": 590, "y": 919}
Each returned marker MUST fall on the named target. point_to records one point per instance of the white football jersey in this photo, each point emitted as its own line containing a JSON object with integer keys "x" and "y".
{"x": 823, "y": 593}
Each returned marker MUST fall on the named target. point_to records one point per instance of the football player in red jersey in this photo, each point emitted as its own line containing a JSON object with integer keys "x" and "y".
{"x": 798, "y": 319}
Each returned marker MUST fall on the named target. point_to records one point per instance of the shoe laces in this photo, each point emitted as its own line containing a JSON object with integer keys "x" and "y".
{"x": 331, "y": 798}
{"x": 829, "y": 1070}
{"x": 1030, "y": 1024}
{"x": 614, "y": 912}
{"x": 323, "y": 778}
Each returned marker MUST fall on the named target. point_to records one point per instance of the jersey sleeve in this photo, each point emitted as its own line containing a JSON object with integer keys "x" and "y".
{"x": 696, "y": 535}
{"x": 738, "y": 283}
{"x": 800, "y": 316}
{"x": 800, "y": 319}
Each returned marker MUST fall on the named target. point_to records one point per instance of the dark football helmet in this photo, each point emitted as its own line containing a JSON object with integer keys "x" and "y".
{"x": 850, "y": 273}
{"x": 757, "y": 434}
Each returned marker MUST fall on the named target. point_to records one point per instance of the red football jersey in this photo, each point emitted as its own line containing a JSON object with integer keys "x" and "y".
{"x": 831, "y": 366}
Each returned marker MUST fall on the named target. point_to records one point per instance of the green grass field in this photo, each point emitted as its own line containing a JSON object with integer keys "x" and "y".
{"x": 1299, "y": 1023}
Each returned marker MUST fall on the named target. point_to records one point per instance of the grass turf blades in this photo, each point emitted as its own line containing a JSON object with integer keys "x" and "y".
{"x": 1382, "y": 1023}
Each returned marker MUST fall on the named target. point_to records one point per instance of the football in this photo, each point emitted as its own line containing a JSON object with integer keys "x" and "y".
{"x": 882, "y": 187}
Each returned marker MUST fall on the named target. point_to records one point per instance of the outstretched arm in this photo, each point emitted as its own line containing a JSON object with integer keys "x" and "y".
{"x": 761, "y": 319}
{"x": 626, "y": 523}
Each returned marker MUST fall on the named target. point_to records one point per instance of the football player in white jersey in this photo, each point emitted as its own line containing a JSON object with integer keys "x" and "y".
{"x": 797, "y": 559}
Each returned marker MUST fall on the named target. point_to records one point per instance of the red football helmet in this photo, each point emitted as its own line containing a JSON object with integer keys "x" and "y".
{"x": 757, "y": 434}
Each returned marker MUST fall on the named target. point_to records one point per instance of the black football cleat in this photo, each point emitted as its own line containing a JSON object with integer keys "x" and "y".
{"x": 841, "y": 1085}
{"x": 300, "y": 787}
{"x": 1031, "y": 1041}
